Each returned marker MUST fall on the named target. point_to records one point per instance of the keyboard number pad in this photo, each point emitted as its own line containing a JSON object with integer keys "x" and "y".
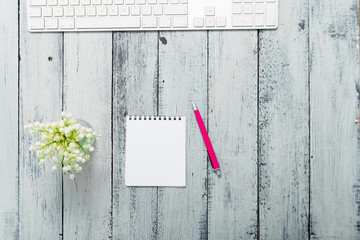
{"x": 250, "y": 13}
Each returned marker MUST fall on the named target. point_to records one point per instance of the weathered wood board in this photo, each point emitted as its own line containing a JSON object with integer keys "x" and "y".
{"x": 135, "y": 93}
{"x": 232, "y": 113}
{"x": 182, "y": 78}
{"x": 334, "y": 104}
{"x": 87, "y": 95}
{"x": 9, "y": 120}
{"x": 40, "y": 95}
{"x": 284, "y": 125}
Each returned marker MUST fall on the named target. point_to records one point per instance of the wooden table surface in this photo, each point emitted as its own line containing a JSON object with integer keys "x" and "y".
{"x": 279, "y": 106}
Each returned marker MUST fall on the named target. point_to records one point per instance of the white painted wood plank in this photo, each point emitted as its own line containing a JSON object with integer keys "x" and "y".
{"x": 9, "y": 120}
{"x": 335, "y": 151}
{"x": 182, "y": 78}
{"x": 40, "y": 193}
{"x": 87, "y": 95}
{"x": 233, "y": 131}
{"x": 135, "y": 75}
{"x": 284, "y": 125}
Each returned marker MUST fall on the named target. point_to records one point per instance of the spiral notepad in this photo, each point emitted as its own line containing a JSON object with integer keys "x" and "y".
{"x": 155, "y": 151}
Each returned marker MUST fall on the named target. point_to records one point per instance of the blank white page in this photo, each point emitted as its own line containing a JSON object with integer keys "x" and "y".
{"x": 155, "y": 151}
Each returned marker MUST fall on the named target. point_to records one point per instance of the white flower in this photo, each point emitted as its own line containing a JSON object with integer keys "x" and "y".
{"x": 63, "y": 114}
{"x": 72, "y": 176}
{"x": 54, "y": 168}
{"x": 67, "y": 168}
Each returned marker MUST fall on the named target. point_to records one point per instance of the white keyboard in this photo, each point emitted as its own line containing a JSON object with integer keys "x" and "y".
{"x": 150, "y": 15}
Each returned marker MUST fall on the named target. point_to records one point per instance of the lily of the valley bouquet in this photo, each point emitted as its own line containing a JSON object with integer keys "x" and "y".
{"x": 67, "y": 143}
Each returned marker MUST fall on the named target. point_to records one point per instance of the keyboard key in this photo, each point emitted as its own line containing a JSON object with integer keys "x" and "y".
{"x": 107, "y": 23}
{"x": 270, "y": 15}
{"x": 119, "y": 2}
{"x": 51, "y": 23}
{"x": 210, "y": 22}
{"x": 107, "y": 2}
{"x": 174, "y": 1}
{"x": 176, "y": 10}
{"x": 80, "y": 11}
{"x": 236, "y": 1}
{"x": 135, "y": 11}
{"x": 259, "y": 21}
{"x": 101, "y": 11}
{"x": 183, "y": 1}
{"x": 163, "y": 1}
{"x": 37, "y": 2}
{"x": 91, "y": 11}
{"x": 259, "y": 1}
{"x": 242, "y": 20}
{"x": 63, "y": 2}
{"x": 35, "y": 12}
{"x": 129, "y": 2}
{"x": 149, "y": 22}
{"x": 151, "y": 1}
{"x": 259, "y": 8}
{"x": 158, "y": 10}
{"x": 164, "y": 22}
{"x": 124, "y": 11}
{"x": 96, "y": 2}
{"x": 146, "y": 10}
{"x": 141, "y": 2}
{"x": 58, "y": 12}
{"x": 180, "y": 22}
{"x": 248, "y": 8}
{"x": 36, "y": 23}
{"x": 237, "y": 9}
{"x": 113, "y": 11}
{"x": 209, "y": 11}
{"x": 221, "y": 22}
{"x": 74, "y": 2}
{"x": 66, "y": 23}
{"x": 52, "y": 2}
{"x": 85, "y": 2}
{"x": 69, "y": 11}
{"x": 198, "y": 22}
{"x": 47, "y": 11}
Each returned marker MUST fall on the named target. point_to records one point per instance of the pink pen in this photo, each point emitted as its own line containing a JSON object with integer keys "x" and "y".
{"x": 206, "y": 138}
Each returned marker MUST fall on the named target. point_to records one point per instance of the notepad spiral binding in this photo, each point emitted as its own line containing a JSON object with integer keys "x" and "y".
{"x": 167, "y": 118}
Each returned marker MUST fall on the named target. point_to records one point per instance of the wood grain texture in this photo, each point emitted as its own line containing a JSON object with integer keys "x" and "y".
{"x": 335, "y": 143}
{"x": 87, "y": 94}
{"x": 40, "y": 189}
{"x": 233, "y": 131}
{"x": 9, "y": 120}
{"x": 135, "y": 58}
{"x": 284, "y": 125}
{"x": 182, "y": 78}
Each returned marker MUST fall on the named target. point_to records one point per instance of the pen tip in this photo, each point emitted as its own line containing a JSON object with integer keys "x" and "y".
{"x": 218, "y": 172}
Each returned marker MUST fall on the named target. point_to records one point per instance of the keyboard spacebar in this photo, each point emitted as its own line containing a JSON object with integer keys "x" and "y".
{"x": 108, "y": 22}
